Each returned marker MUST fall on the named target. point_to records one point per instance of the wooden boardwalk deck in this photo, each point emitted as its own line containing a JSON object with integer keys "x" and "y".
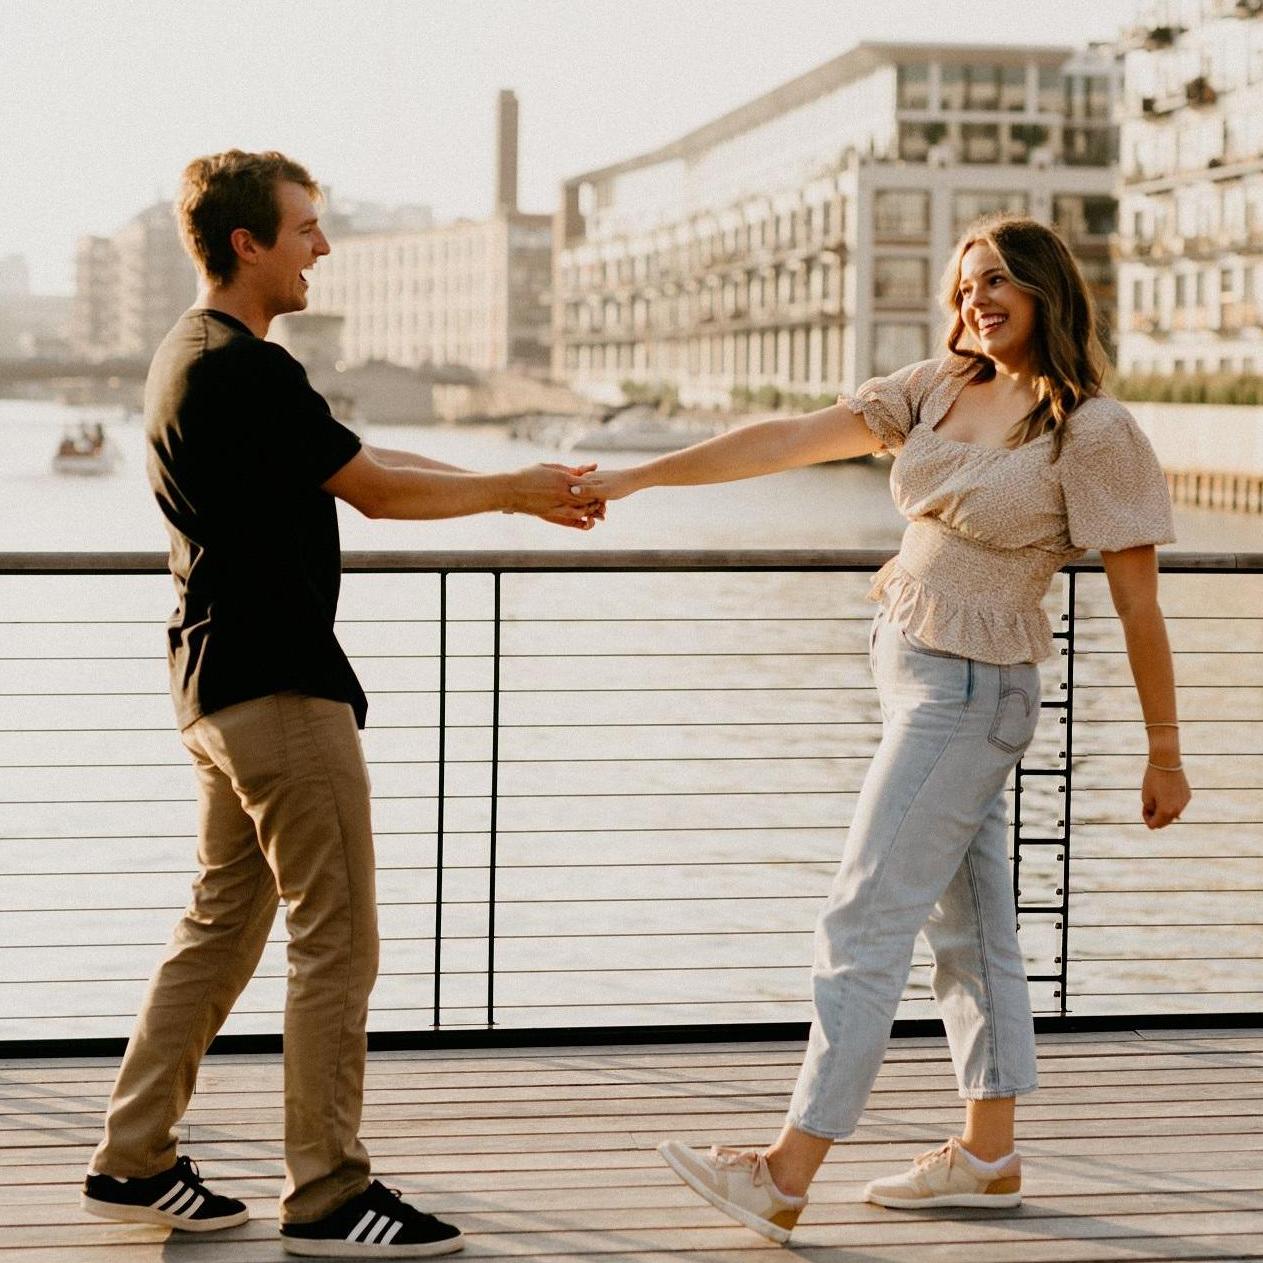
{"x": 1138, "y": 1146}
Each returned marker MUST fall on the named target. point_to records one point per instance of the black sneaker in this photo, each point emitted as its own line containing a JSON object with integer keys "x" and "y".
{"x": 175, "y": 1198}
{"x": 376, "y": 1224}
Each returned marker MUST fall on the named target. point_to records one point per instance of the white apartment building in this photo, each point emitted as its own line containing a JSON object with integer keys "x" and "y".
{"x": 1190, "y": 279}
{"x": 797, "y": 242}
{"x": 471, "y": 293}
{"x": 131, "y": 288}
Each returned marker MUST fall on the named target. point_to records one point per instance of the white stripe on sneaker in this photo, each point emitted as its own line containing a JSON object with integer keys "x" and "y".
{"x": 164, "y": 1202}
{"x": 181, "y": 1204}
{"x": 394, "y": 1230}
{"x": 378, "y": 1228}
{"x": 189, "y": 1211}
{"x": 354, "y": 1234}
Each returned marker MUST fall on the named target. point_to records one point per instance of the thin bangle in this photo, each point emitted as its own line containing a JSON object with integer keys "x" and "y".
{"x": 1158, "y": 767}
{"x": 1163, "y": 723}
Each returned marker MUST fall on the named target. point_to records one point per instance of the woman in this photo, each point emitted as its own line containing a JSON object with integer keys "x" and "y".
{"x": 1009, "y": 463}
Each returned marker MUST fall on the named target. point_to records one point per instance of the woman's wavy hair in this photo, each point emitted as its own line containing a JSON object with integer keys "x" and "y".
{"x": 1070, "y": 361}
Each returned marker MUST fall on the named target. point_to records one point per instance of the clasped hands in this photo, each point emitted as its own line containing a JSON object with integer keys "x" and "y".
{"x": 567, "y": 495}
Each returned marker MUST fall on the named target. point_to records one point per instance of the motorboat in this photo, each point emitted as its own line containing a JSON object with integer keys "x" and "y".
{"x": 86, "y": 449}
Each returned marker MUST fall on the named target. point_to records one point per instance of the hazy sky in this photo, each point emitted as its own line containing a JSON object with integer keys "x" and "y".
{"x": 103, "y": 101}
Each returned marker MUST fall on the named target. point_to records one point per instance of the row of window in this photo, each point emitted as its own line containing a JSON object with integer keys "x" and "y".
{"x": 906, "y": 212}
{"x": 807, "y": 356}
{"x": 1193, "y": 289}
{"x": 811, "y": 225}
{"x": 991, "y": 87}
{"x": 1011, "y": 143}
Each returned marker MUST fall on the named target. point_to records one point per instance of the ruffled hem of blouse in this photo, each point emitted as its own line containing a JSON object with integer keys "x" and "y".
{"x": 1002, "y": 636}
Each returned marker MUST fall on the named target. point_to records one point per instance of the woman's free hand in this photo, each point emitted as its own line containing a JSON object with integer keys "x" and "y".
{"x": 1163, "y": 796}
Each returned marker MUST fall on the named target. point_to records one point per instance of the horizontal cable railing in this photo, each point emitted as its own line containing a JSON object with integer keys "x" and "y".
{"x": 610, "y": 790}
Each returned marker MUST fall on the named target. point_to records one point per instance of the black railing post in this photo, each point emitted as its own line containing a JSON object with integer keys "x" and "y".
{"x": 440, "y": 793}
{"x": 1068, "y": 756}
{"x": 495, "y": 789}
{"x": 1061, "y": 906}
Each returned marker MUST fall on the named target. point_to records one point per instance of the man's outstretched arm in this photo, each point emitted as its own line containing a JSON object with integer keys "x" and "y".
{"x": 389, "y": 491}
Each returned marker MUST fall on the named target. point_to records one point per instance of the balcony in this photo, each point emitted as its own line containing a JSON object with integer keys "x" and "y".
{"x": 1238, "y": 318}
{"x": 597, "y": 920}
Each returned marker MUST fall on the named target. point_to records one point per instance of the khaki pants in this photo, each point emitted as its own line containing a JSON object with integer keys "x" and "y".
{"x": 284, "y": 812}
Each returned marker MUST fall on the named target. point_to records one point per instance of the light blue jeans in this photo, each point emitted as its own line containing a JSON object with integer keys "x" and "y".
{"x": 926, "y": 850}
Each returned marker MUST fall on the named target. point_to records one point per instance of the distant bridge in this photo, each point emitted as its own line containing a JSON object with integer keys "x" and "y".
{"x": 97, "y": 372}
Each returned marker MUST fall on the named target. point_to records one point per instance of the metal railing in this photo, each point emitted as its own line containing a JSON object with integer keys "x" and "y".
{"x": 610, "y": 789}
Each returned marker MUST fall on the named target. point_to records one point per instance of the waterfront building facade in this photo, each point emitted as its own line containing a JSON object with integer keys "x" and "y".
{"x": 1190, "y": 269}
{"x": 472, "y": 293}
{"x": 796, "y": 243}
{"x": 131, "y": 288}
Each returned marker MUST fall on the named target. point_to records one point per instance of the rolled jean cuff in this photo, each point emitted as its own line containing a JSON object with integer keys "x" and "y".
{"x": 995, "y": 1094}
{"x": 798, "y": 1125}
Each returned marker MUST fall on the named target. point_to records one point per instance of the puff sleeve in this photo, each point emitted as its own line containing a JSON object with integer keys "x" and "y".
{"x": 1114, "y": 489}
{"x": 890, "y": 406}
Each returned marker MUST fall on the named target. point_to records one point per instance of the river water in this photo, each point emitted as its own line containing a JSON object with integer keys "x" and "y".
{"x": 678, "y": 758}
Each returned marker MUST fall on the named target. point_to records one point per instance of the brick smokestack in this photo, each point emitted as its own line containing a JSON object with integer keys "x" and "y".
{"x": 506, "y": 152}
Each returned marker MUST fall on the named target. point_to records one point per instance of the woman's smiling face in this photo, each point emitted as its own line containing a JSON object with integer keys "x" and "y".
{"x": 999, "y": 315}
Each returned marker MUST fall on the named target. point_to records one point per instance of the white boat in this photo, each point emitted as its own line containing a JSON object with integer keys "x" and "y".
{"x": 86, "y": 449}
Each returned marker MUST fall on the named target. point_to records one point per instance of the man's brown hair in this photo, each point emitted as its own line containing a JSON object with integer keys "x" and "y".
{"x": 225, "y": 191}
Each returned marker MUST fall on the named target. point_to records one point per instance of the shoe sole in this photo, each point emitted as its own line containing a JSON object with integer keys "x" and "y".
{"x": 325, "y": 1249}
{"x": 148, "y": 1215}
{"x": 997, "y": 1201}
{"x": 747, "y": 1217}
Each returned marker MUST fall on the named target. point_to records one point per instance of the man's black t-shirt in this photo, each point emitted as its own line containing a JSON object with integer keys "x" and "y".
{"x": 238, "y": 446}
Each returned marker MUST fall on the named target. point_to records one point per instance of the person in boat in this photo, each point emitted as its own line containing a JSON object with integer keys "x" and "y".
{"x": 1010, "y": 461}
{"x": 246, "y": 460}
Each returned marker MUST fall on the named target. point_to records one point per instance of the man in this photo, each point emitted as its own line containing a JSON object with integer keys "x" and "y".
{"x": 245, "y": 460}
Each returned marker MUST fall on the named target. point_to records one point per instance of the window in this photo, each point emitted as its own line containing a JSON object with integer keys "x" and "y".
{"x": 904, "y": 280}
{"x": 980, "y": 142}
{"x": 1050, "y": 90}
{"x": 915, "y": 139}
{"x": 982, "y": 91}
{"x": 913, "y": 79}
{"x": 896, "y": 345}
{"x": 1087, "y": 146}
{"x": 1024, "y": 138}
{"x": 952, "y": 88}
{"x": 901, "y": 213}
{"x": 966, "y": 207}
{"x": 1079, "y": 216}
{"x": 1013, "y": 88}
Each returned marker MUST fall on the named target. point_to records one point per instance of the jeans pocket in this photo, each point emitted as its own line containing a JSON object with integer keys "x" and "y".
{"x": 1015, "y": 717}
{"x": 917, "y": 645}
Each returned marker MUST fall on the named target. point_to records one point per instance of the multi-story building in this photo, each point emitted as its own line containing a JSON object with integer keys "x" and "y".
{"x": 472, "y": 293}
{"x": 131, "y": 288}
{"x": 797, "y": 241}
{"x": 469, "y": 293}
{"x": 1190, "y": 270}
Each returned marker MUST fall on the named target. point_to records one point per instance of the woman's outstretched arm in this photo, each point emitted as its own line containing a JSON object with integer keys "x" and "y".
{"x": 764, "y": 447}
{"x": 1133, "y": 582}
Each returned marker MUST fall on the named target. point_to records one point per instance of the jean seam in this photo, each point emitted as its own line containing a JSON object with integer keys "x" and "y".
{"x": 986, "y": 973}
{"x": 885, "y": 869}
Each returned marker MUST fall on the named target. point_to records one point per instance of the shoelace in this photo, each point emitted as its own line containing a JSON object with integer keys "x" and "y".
{"x": 933, "y": 1157}
{"x": 726, "y": 1156}
{"x": 189, "y": 1169}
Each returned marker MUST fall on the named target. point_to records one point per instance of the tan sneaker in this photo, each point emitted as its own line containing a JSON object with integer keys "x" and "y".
{"x": 737, "y": 1182}
{"x": 951, "y": 1176}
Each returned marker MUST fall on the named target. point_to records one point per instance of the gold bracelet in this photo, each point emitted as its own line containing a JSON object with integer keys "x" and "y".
{"x": 1158, "y": 767}
{"x": 1163, "y": 723}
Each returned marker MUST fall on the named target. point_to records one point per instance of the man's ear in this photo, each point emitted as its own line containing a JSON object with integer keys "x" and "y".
{"x": 244, "y": 246}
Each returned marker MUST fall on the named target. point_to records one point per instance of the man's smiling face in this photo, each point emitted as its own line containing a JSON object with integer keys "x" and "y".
{"x": 299, "y": 243}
